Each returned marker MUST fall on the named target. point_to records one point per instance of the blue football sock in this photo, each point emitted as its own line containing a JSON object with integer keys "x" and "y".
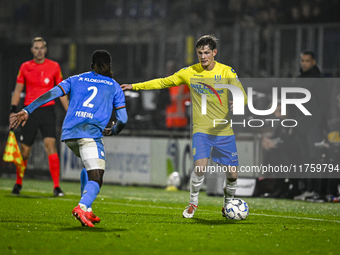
{"x": 90, "y": 193}
{"x": 84, "y": 178}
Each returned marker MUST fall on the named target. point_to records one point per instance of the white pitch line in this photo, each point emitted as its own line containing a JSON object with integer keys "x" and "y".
{"x": 171, "y": 208}
{"x": 136, "y": 198}
{"x": 256, "y": 214}
{"x": 293, "y": 217}
{"x": 51, "y": 192}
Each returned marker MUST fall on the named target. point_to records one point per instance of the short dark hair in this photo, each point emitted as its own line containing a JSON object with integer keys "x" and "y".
{"x": 308, "y": 52}
{"x": 101, "y": 63}
{"x": 38, "y": 39}
{"x": 209, "y": 40}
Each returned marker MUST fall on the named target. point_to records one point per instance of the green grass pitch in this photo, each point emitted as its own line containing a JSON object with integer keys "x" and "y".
{"x": 140, "y": 220}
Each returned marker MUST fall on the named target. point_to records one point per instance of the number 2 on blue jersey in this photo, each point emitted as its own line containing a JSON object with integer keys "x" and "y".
{"x": 94, "y": 93}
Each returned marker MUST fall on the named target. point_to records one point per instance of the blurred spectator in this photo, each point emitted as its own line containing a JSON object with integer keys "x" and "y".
{"x": 327, "y": 189}
{"x": 179, "y": 13}
{"x": 311, "y": 129}
{"x": 306, "y": 11}
{"x": 132, "y": 9}
{"x": 146, "y": 9}
{"x": 281, "y": 148}
{"x": 259, "y": 12}
{"x": 295, "y": 15}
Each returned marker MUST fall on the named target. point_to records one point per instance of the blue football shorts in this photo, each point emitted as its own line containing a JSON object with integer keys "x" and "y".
{"x": 90, "y": 150}
{"x": 223, "y": 151}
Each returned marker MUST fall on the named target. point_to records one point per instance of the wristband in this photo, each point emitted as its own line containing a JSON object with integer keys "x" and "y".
{"x": 26, "y": 111}
{"x": 113, "y": 131}
{"x": 13, "y": 109}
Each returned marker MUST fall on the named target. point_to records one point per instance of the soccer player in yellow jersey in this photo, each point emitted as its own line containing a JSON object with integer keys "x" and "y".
{"x": 210, "y": 103}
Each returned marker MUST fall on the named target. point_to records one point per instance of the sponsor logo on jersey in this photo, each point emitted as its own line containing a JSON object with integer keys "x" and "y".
{"x": 209, "y": 90}
{"x": 95, "y": 80}
{"x": 203, "y": 89}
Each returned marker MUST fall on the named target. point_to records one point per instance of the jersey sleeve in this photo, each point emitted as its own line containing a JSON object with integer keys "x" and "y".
{"x": 234, "y": 80}
{"x": 122, "y": 118}
{"x": 65, "y": 85}
{"x": 161, "y": 83}
{"x": 21, "y": 76}
{"x": 119, "y": 99}
{"x": 54, "y": 93}
{"x": 58, "y": 75}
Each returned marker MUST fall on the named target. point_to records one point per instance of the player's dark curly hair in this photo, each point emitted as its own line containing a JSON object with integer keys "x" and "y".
{"x": 101, "y": 63}
{"x": 209, "y": 40}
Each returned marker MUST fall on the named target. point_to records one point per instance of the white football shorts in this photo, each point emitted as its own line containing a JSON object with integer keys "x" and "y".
{"x": 90, "y": 150}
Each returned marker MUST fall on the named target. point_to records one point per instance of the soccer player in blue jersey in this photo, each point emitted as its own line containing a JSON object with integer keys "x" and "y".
{"x": 92, "y": 98}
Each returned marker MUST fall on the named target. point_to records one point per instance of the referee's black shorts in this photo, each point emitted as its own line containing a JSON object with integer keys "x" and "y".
{"x": 43, "y": 119}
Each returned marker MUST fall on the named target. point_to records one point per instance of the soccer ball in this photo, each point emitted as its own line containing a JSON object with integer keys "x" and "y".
{"x": 237, "y": 209}
{"x": 174, "y": 180}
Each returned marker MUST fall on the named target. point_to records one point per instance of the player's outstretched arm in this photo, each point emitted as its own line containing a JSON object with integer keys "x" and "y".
{"x": 22, "y": 116}
{"x": 43, "y": 99}
{"x": 126, "y": 87}
{"x": 18, "y": 118}
{"x": 159, "y": 83}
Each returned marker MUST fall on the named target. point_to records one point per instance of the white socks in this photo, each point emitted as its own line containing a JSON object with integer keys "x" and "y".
{"x": 229, "y": 190}
{"x": 195, "y": 186}
{"x": 83, "y": 207}
{"x": 196, "y": 183}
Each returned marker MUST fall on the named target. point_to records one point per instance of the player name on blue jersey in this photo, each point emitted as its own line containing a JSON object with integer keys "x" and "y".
{"x": 84, "y": 114}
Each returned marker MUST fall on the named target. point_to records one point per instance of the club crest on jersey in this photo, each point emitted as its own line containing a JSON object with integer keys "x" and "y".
{"x": 218, "y": 78}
